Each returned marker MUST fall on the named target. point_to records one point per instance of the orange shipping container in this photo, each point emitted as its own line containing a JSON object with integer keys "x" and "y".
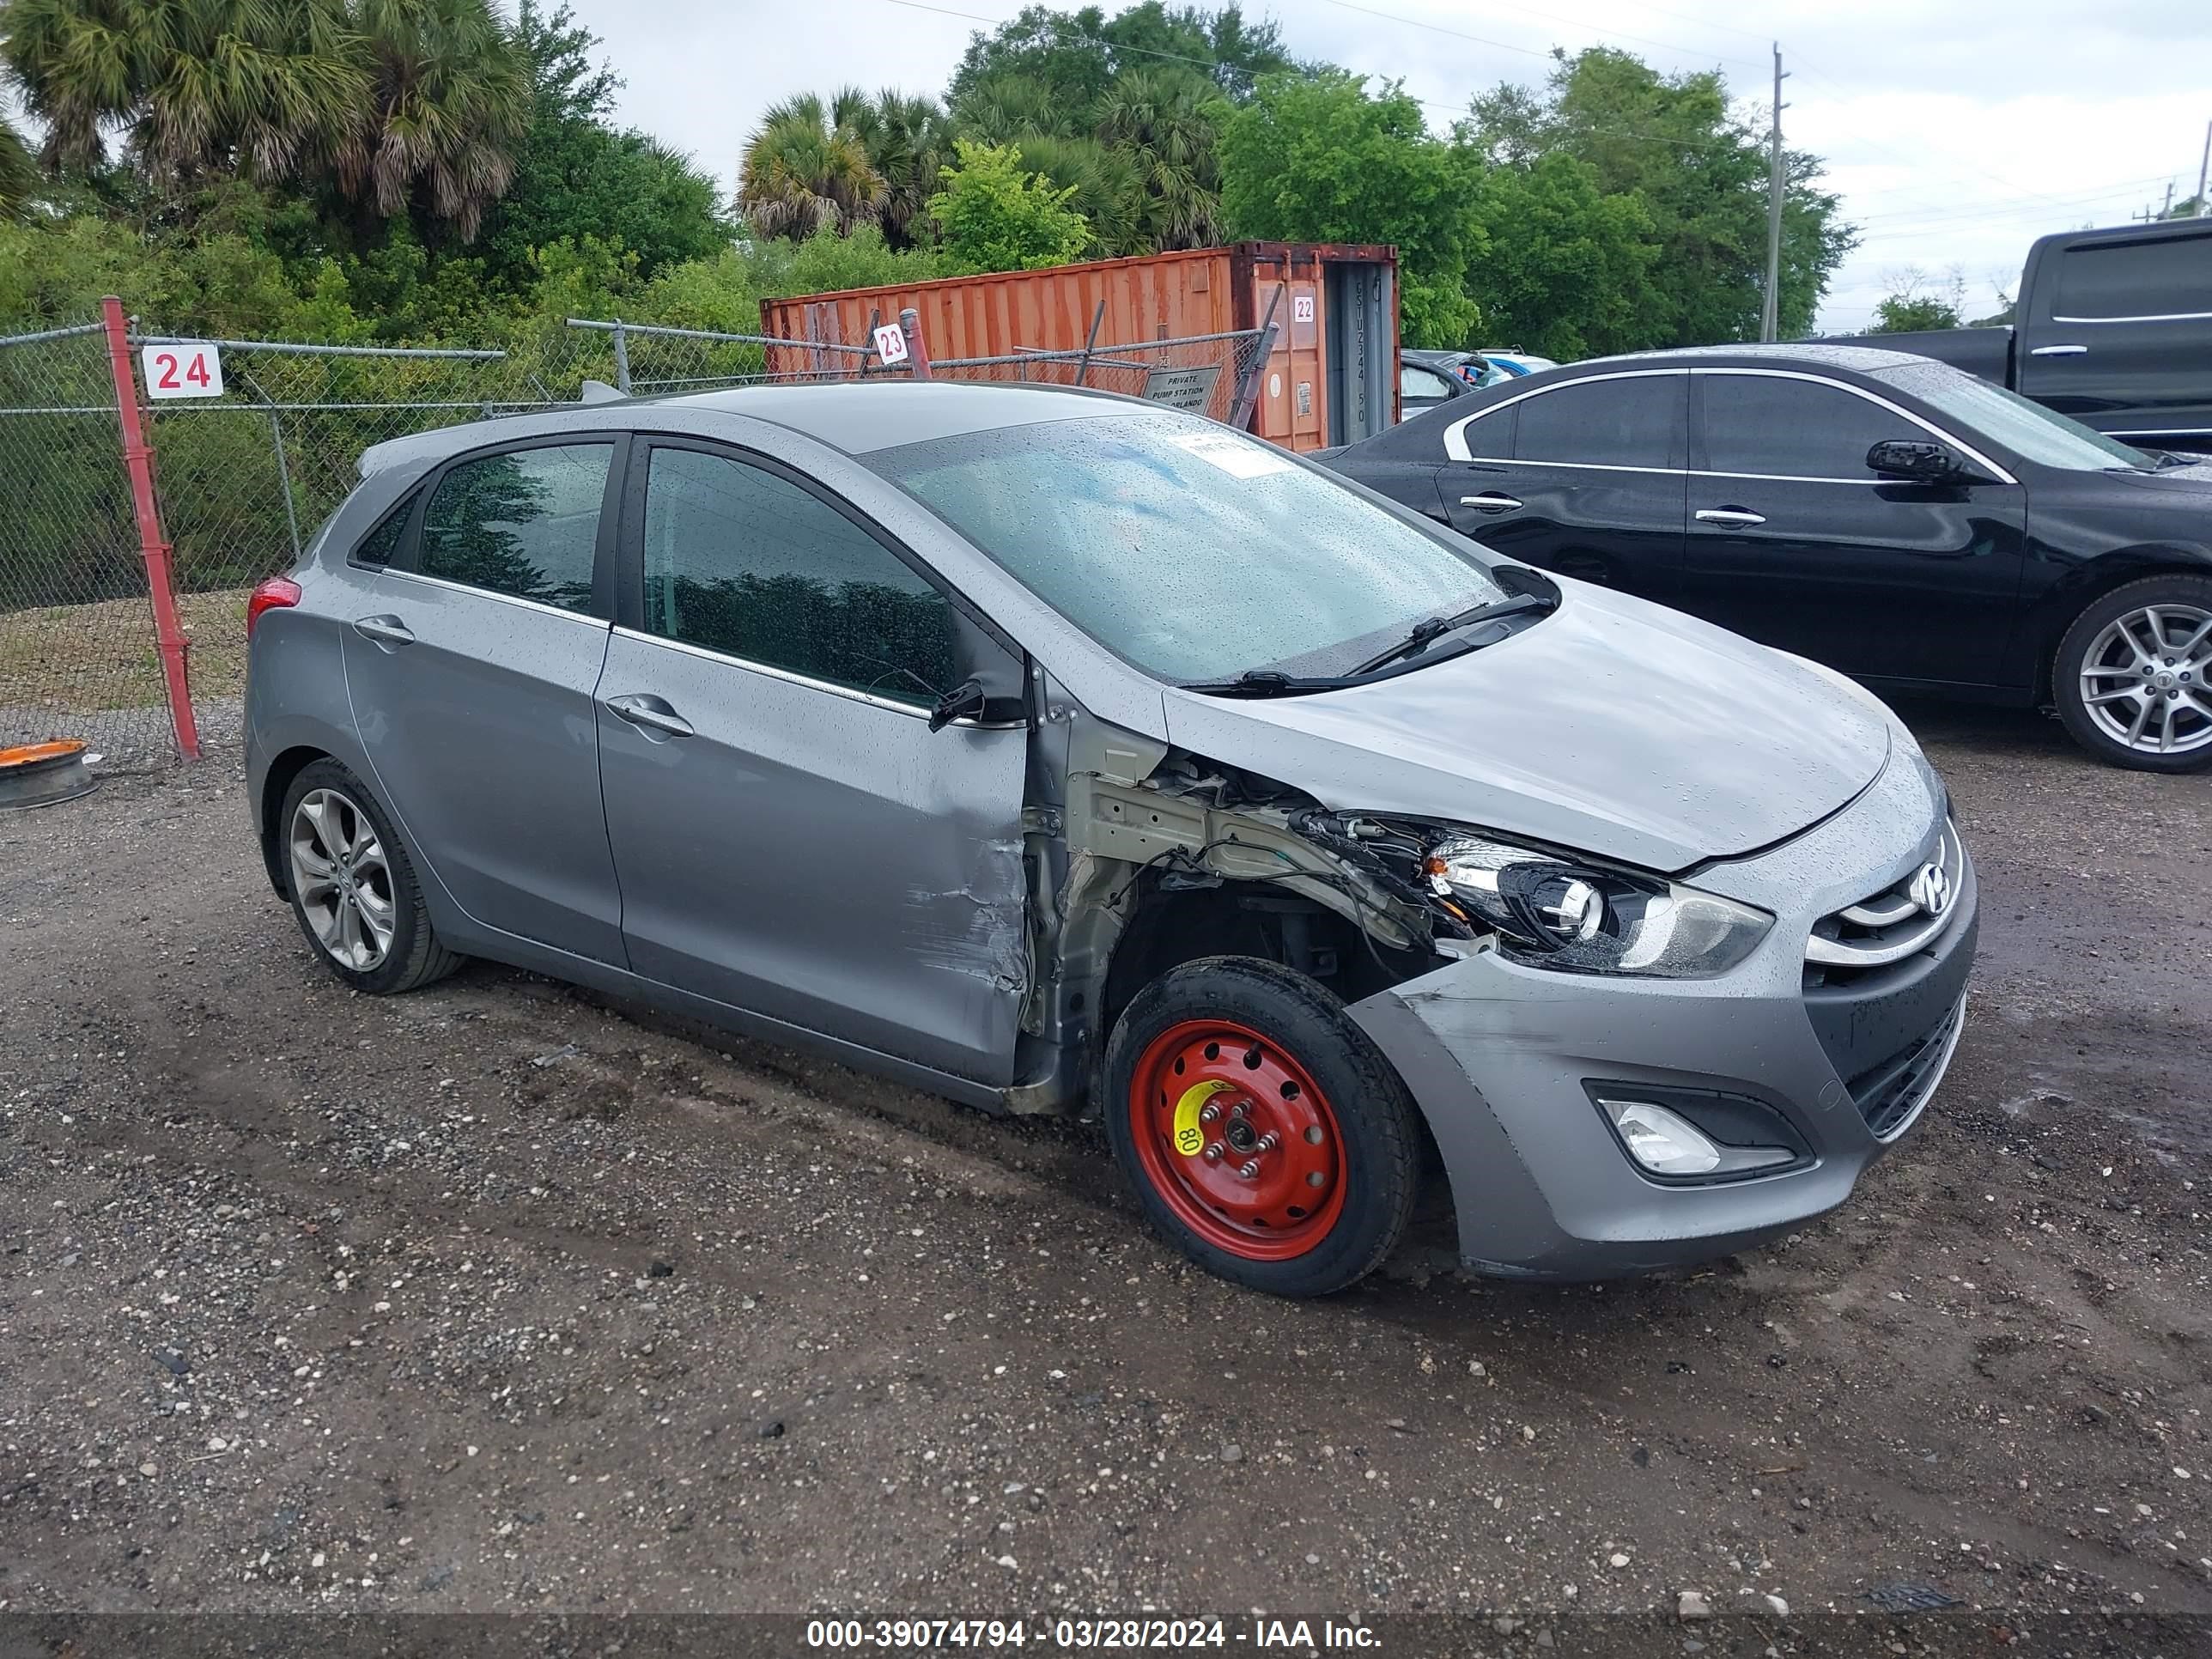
{"x": 1331, "y": 377}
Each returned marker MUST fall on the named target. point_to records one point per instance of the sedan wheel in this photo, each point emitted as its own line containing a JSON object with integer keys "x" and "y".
{"x": 343, "y": 880}
{"x": 2133, "y": 678}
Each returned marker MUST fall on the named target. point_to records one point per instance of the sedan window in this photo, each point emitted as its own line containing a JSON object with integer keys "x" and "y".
{"x": 1768, "y": 426}
{"x": 525, "y": 524}
{"x": 1414, "y": 381}
{"x": 2028, "y": 429}
{"x": 742, "y": 561}
{"x": 1624, "y": 420}
{"x": 1192, "y": 550}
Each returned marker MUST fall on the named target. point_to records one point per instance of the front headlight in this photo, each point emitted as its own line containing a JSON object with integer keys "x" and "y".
{"x": 1554, "y": 912}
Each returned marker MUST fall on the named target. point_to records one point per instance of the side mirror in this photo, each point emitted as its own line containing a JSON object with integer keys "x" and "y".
{"x": 964, "y": 701}
{"x": 1922, "y": 460}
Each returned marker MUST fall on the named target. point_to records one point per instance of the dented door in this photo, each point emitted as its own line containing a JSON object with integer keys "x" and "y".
{"x": 791, "y": 838}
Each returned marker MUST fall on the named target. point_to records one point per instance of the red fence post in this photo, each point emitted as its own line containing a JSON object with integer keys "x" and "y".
{"x": 917, "y": 349}
{"x": 153, "y": 542}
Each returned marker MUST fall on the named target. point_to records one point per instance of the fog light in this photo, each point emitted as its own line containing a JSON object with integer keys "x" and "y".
{"x": 1660, "y": 1141}
{"x": 1668, "y": 1144}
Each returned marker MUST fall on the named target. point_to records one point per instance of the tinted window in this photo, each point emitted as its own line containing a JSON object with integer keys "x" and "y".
{"x": 1628, "y": 423}
{"x": 524, "y": 523}
{"x": 745, "y": 563}
{"x": 1490, "y": 437}
{"x": 2172, "y": 277}
{"x": 1186, "y": 548}
{"x": 1793, "y": 428}
{"x": 381, "y": 544}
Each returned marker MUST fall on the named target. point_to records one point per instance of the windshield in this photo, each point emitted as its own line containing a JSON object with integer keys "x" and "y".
{"x": 1187, "y": 548}
{"x": 2028, "y": 429}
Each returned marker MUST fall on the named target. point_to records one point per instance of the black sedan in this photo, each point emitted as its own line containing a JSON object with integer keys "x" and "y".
{"x": 1919, "y": 529}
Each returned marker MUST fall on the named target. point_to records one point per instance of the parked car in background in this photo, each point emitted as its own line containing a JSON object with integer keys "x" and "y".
{"x": 1426, "y": 379}
{"x": 2115, "y": 329}
{"x": 1916, "y": 527}
{"x": 1001, "y": 739}
{"x": 1515, "y": 362}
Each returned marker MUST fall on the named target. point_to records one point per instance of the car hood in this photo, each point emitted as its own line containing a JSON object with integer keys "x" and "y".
{"x": 1613, "y": 726}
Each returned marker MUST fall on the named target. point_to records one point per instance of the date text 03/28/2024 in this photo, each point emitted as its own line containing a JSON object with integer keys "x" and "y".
{"x": 993, "y": 1634}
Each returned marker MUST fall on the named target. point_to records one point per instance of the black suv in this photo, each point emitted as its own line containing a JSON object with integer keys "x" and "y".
{"x": 1919, "y": 528}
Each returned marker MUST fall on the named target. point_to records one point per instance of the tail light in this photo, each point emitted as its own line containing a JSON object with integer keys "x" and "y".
{"x": 278, "y": 594}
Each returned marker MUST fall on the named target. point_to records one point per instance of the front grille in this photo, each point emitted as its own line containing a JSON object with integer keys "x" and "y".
{"x": 1890, "y": 925}
{"x": 1890, "y": 1095}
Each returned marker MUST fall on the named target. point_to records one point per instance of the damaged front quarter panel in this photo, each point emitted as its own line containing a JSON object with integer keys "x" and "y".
{"x": 1108, "y": 807}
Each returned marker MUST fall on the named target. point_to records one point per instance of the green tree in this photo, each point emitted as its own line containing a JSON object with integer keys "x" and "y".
{"x": 805, "y": 168}
{"x": 449, "y": 102}
{"x": 1916, "y": 301}
{"x": 997, "y": 217}
{"x": 1078, "y": 55}
{"x": 1702, "y": 174}
{"x": 1562, "y": 266}
{"x": 19, "y": 174}
{"x": 1320, "y": 159}
{"x": 907, "y": 140}
{"x": 1167, "y": 121}
{"x": 575, "y": 172}
{"x": 214, "y": 87}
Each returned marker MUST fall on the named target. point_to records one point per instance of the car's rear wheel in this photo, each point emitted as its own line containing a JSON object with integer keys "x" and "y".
{"x": 2133, "y": 675}
{"x": 1266, "y": 1135}
{"x": 353, "y": 886}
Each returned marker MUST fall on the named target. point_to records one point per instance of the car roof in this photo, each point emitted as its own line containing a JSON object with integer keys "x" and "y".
{"x": 854, "y": 416}
{"x": 1863, "y": 359}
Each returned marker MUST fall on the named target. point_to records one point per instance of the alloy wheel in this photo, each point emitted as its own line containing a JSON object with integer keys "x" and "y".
{"x": 342, "y": 878}
{"x": 2147, "y": 679}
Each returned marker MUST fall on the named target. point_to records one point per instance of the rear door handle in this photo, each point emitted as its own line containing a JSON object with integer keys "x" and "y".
{"x": 652, "y": 713}
{"x": 1734, "y": 517}
{"x": 1490, "y": 500}
{"x": 2060, "y": 351}
{"x": 385, "y": 630}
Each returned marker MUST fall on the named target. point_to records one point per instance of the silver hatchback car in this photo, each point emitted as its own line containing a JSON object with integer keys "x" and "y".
{"x": 1052, "y": 750}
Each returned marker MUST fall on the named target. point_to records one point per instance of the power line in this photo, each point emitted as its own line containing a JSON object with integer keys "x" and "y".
{"x": 1549, "y": 17}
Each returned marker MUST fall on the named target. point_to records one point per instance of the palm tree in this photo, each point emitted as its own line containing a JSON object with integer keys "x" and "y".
{"x": 449, "y": 99}
{"x": 198, "y": 86}
{"x": 1166, "y": 123}
{"x": 909, "y": 142}
{"x": 19, "y": 174}
{"x": 805, "y": 168}
{"x": 1108, "y": 189}
{"x": 1007, "y": 108}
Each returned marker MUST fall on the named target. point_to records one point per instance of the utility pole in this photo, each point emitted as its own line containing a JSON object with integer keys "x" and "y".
{"x": 1770, "y": 306}
{"x": 2167, "y": 212}
{"x": 2203, "y": 167}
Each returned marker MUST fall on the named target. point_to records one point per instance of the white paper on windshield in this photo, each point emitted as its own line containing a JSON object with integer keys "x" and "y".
{"x": 1239, "y": 457}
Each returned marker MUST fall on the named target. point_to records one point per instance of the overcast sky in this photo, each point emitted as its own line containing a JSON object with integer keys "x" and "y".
{"x": 1956, "y": 131}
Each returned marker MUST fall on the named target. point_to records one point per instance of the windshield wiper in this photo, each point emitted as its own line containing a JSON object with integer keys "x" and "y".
{"x": 1267, "y": 682}
{"x": 1426, "y": 632}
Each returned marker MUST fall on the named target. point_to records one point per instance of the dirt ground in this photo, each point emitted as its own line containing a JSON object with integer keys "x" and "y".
{"x": 496, "y": 1298}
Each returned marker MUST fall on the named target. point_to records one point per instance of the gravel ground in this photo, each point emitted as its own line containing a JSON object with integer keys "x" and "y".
{"x": 498, "y": 1297}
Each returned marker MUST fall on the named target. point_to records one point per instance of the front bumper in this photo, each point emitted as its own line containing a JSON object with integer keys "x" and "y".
{"x": 1497, "y": 1055}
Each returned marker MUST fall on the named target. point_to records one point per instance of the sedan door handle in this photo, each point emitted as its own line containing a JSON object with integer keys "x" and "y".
{"x": 1490, "y": 500}
{"x": 651, "y": 713}
{"x": 2060, "y": 351}
{"x": 1734, "y": 517}
{"x": 385, "y": 630}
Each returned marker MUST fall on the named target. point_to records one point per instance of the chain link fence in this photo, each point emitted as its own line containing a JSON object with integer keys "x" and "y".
{"x": 77, "y": 655}
{"x": 243, "y": 477}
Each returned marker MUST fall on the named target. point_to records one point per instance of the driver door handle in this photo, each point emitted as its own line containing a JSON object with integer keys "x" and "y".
{"x": 650, "y": 712}
{"x": 1732, "y": 517}
{"x": 1490, "y": 500}
{"x": 385, "y": 630}
{"x": 2060, "y": 351}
